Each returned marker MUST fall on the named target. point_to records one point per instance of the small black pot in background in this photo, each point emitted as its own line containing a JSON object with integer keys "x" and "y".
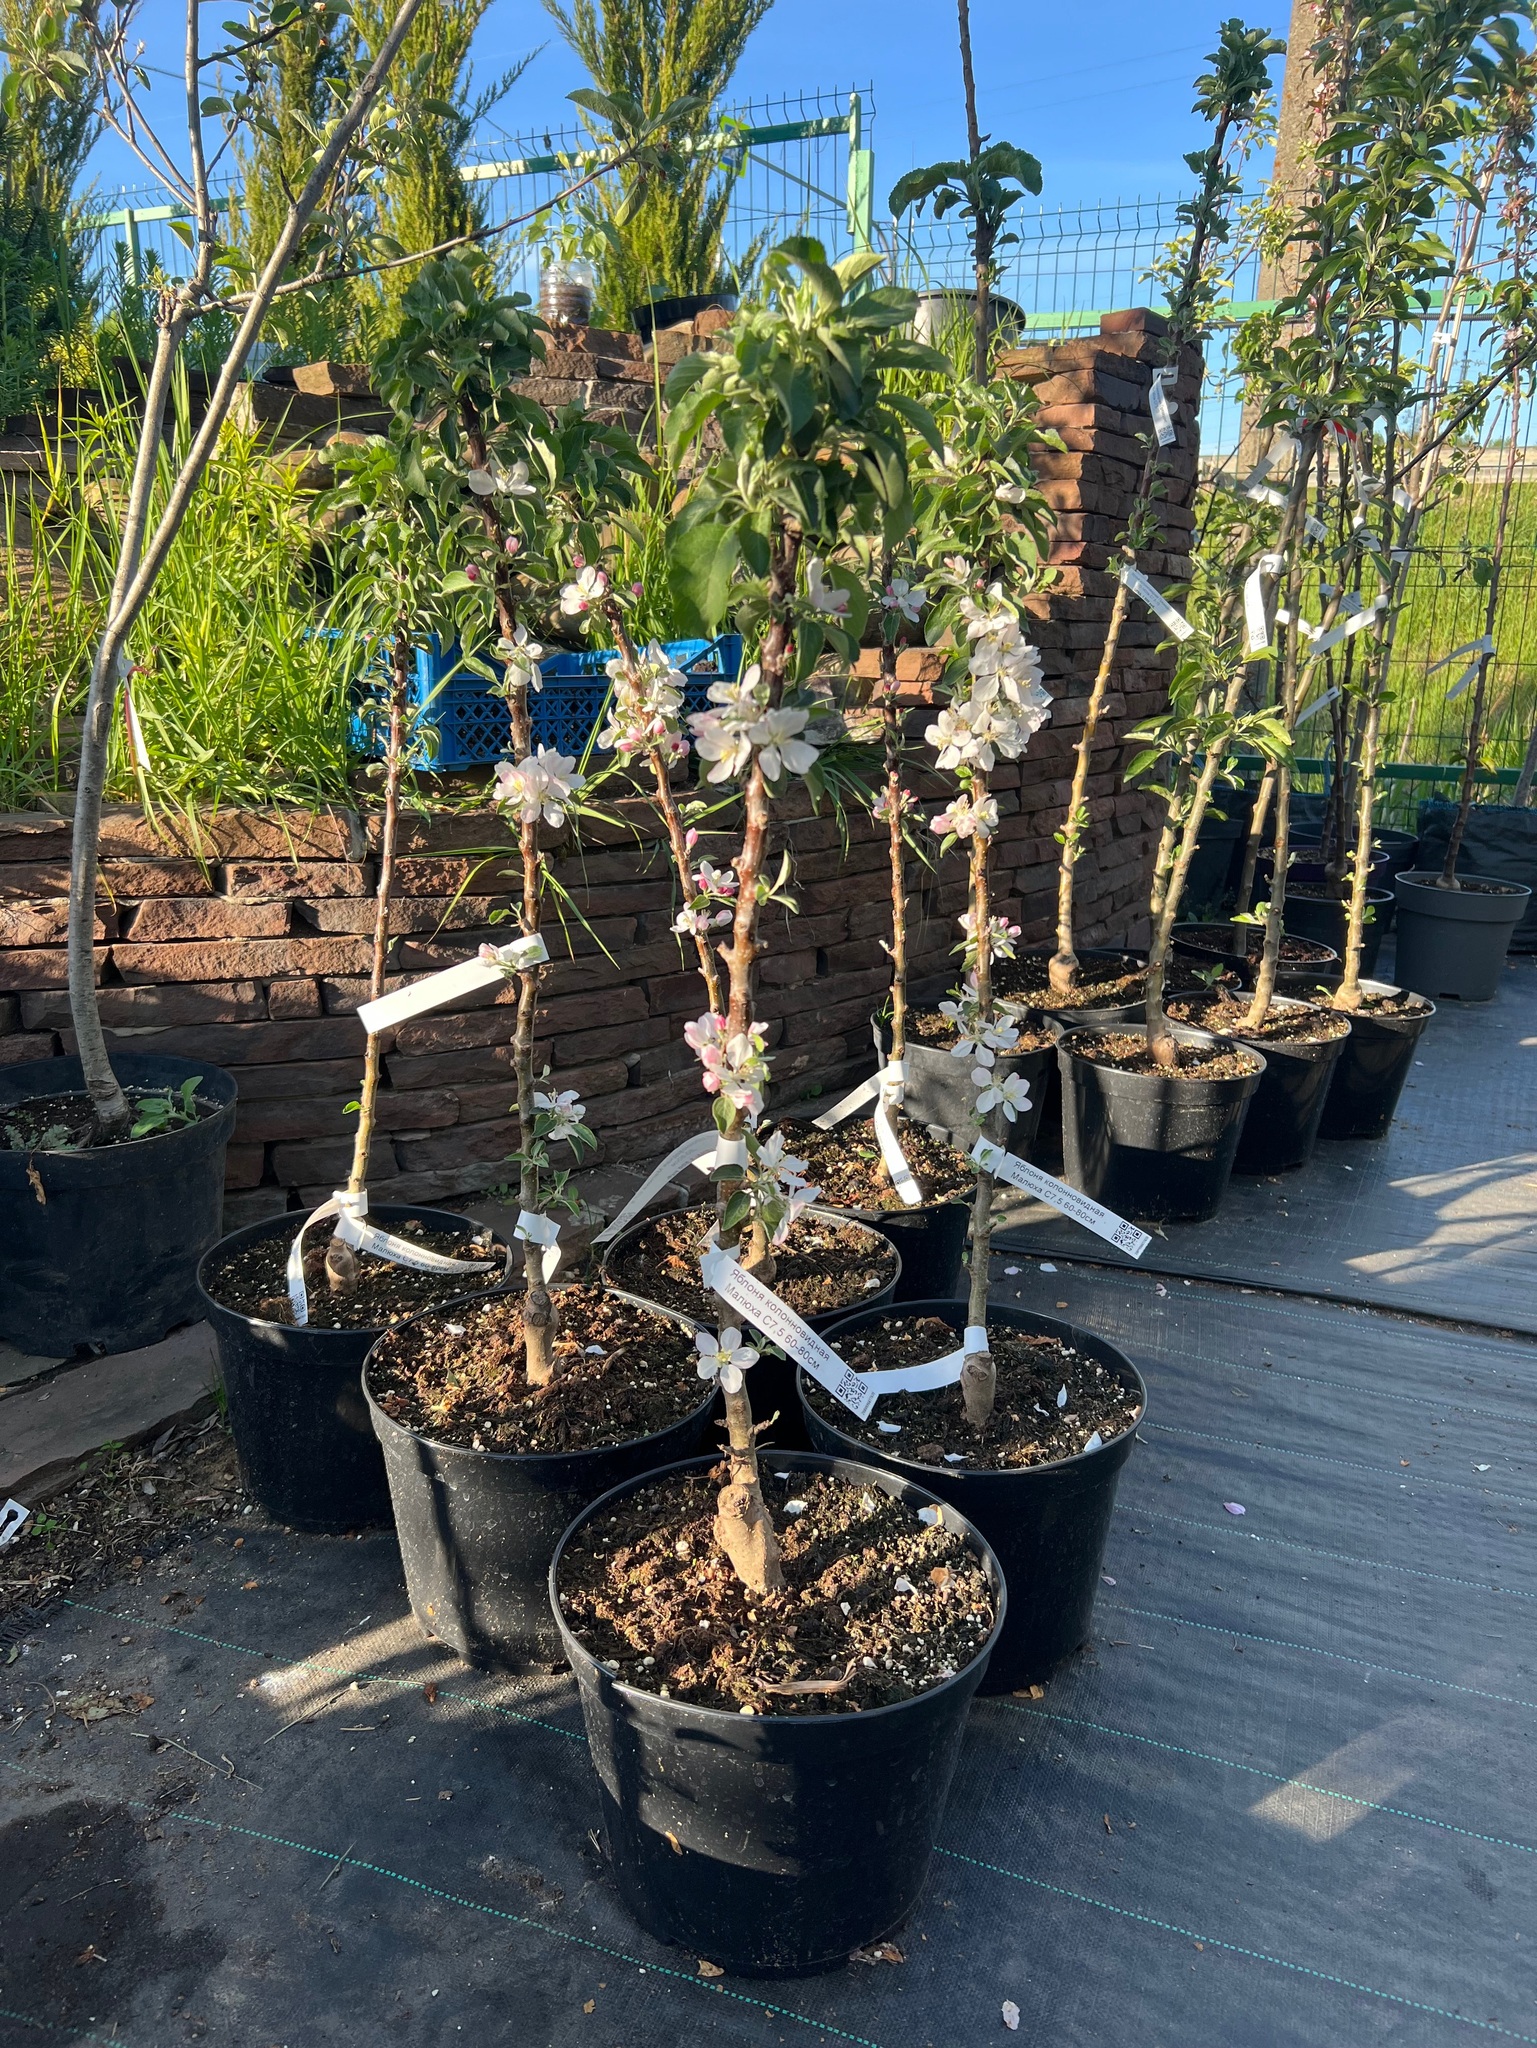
{"x": 1238, "y": 946}
{"x": 102, "y": 1247}
{"x": 1046, "y": 1142}
{"x": 773, "y": 1378}
{"x": 478, "y": 1529}
{"x": 308, "y": 1454}
{"x": 1370, "y": 1074}
{"x": 1048, "y": 1524}
{"x": 774, "y": 1844}
{"x": 1153, "y": 1147}
{"x": 1281, "y": 1128}
{"x": 932, "y": 1243}
{"x": 941, "y": 1094}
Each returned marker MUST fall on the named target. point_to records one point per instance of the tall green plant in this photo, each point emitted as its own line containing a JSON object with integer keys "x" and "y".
{"x": 666, "y": 231}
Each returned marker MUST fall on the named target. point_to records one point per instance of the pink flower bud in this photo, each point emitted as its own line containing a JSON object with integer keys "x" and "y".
{"x": 512, "y": 543}
{"x": 472, "y": 572}
{"x": 690, "y": 839}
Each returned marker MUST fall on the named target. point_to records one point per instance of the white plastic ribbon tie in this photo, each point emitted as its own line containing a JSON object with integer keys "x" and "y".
{"x": 1285, "y": 447}
{"x": 778, "y": 1322}
{"x": 12, "y": 1516}
{"x": 1058, "y": 1195}
{"x": 1155, "y": 601}
{"x": 1256, "y": 626}
{"x": 891, "y": 1078}
{"x": 1322, "y": 704}
{"x": 543, "y": 1231}
{"x": 1352, "y": 622}
{"x": 351, "y": 1212}
{"x": 1160, "y": 405}
{"x": 136, "y": 744}
{"x": 1478, "y": 649}
{"x": 1314, "y": 528}
{"x": 846, "y": 1105}
{"x": 698, "y": 1151}
{"x": 447, "y": 986}
{"x": 730, "y": 1152}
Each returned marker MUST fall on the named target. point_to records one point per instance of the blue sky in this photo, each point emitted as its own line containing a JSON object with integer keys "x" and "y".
{"x": 1102, "y": 99}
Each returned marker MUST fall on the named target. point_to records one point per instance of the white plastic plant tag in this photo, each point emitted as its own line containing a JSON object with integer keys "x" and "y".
{"x": 1155, "y": 601}
{"x": 1314, "y": 528}
{"x": 699, "y": 1152}
{"x": 1265, "y": 494}
{"x": 434, "y": 990}
{"x": 894, "y": 1157}
{"x": 1058, "y": 1195}
{"x": 777, "y": 1321}
{"x": 1323, "y": 704}
{"x": 1343, "y": 628}
{"x": 1160, "y": 405}
{"x": 846, "y": 1105}
{"x": 12, "y": 1516}
{"x": 934, "y": 1372}
{"x": 136, "y": 744}
{"x": 543, "y": 1231}
{"x": 403, "y": 1251}
{"x": 1256, "y": 626}
{"x": 341, "y": 1204}
{"x": 1284, "y": 448}
{"x": 1478, "y": 649}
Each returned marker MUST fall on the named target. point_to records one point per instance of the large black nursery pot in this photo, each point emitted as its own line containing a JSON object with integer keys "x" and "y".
{"x": 1219, "y": 851}
{"x": 773, "y": 1382}
{"x": 1281, "y": 1128}
{"x": 1500, "y": 841}
{"x": 1046, "y": 1139}
{"x": 773, "y": 1845}
{"x": 1047, "y": 1524}
{"x": 478, "y": 1529}
{"x": 1326, "y": 919}
{"x": 101, "y": 1247}
{"x": 307, "y": 1450}
{"x": 1453, "y": 942}
{"x": 1239, "y": 946}
{"x": 941, "y": 1093}
{"x": 1155, "y": 1147}
{"x": 1369, "y": 1075}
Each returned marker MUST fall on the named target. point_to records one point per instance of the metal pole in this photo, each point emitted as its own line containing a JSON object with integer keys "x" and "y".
{"x": 135, "y": 252}
{"x": 861, "y": 180}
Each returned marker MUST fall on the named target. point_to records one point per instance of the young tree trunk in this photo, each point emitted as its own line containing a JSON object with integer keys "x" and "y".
{"x": 341, "y": 1265}
{"x": 1063, "y": 970}
{"x": 1258, "y": 819}
{"x": 979, "y": 1376}
{"x": 1448, "y": 876}
{"x": 743, "y": 1526}
{"x": 139, "y": 564}
{"x": 1161, "y": 1040}
{"x": 891, "y": 725}
{"x": 981, "y": 238}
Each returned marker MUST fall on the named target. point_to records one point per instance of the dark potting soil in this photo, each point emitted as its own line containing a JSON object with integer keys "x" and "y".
{"x": 624, "y": 1373}
{"x": 65, "y": 1123}
{"x": 1031, "y": 976}
{"x": 845, "y": 1164}
{"x": 1404, "y": 1004}
{"x": 927, "y": 1027}
{"x": 1031, "y": 1423}
{"x": 253, "y": 1281}
{"x": 1131, "y": 1055}
{"x": 1296, "y": 952}
{"x": 821, "y": 1266}
{"x": 1226, "y": 1016}
{"x": 876, "y": 1607}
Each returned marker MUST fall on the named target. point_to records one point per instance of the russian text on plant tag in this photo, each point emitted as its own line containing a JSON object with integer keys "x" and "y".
{"x": 1079, "y": 1207}
{"x": 1155, "y": 601}
{"x": 1256, "y": 626}
{"x": 434, "y": 990}
{"x": 1160, "y": 405}
{"x": 777, "y": 1321}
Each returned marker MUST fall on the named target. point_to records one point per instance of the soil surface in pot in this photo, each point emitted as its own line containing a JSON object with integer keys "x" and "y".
{"x": 253, "y": 1280}
{"x": 1132, "y": 1055}
{"x": 1404, "y": 1004}
{"x": 1226, "y": 1016}
{"x": 623, "y": 1373}
{"x": 1031, "y": 1422}
{"x": 820, "y": 1267}
{"x": 1294, "y": 952}
{"x": 927, "y": 1027}
{"x": 845, "y": 1166}
{"x": 66, "y": 1123}
{"x": 877, "y": 1605}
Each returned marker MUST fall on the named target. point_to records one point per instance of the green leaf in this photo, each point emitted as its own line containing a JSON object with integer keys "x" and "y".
{"x": 701, "y": 563}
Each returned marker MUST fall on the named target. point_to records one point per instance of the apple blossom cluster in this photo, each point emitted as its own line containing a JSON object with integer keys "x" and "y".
{"x": 711, "y": 905}
{"x": 541, "y": 786}
{"x": 967, "y": 817}
{"x": 777, "y": 1184}
{"x": 496, "y": 480}
{"x": 904, "y": 598}
{"x": 520, "y": 656}
{"x": 1004, "y": 705}
{"x": 1000, "y": 937}
{"x": 567, "y": 1114}
{"x": 646, "y": 706}
{"x": 736, "y": 1067}
{"x": 881, "y": 807}
{"x": 977, "y": 1039}
{"x": 584, "y": 593}
{"x": 741, "y": 726}
{"x": 723, "y": 1358}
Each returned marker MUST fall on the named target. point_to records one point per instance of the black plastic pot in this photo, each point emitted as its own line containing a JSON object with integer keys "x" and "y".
{"x": 773, "y": 1379}
{"x": 941, "y": 1093}
{"x": 932, "y": 1245}
{"x": 1453, "y": 942}
{"x": 308, "y": 1453}
{"x": 478, "y": 1529}
{"x": 773, "y": 1845}
{"x": 1047, "y": 1524}
{"x": 1110, "y": 960}
{"x": 1500, "y": 841}
{"x": 1281, "y": 1128}
{"x": 1369, "y": 1075}
{"x": 1327, "y": 920}
{"x": 1218, "y": 852}
{"x": 663, "y": 313}
{"x": 101, "y": 1248}
{"x": 1154, "y": 1147}
{"x": 1239, "y": 946}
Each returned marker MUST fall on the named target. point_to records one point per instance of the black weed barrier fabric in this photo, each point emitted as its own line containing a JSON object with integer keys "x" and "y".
{"x": 1283, "y": 1796}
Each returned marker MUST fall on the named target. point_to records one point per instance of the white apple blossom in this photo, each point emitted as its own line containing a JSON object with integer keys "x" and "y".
{"x": 906, "y": 598}
{"x": 1008, "y": 1092}
{"x": 780, "y": 750}
{"x": 579, "y": 597}
{"x": 521, "y": 655}
{"x": 967, "y": 817}
{"x": 1000, "y": 935}
{"x": 646, "y": 705}
{"x": 736, "y": 1066}
{"x": 497, "y": 480}
{"x": 724, "y": 1358}
{"x": 823, "y": 596}
{"x": 568, "y": 1111}
{"x": 542, "y": 785}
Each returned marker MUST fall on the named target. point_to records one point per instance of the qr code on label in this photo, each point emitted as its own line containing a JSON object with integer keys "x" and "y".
{"x": 1128, "y": 1237}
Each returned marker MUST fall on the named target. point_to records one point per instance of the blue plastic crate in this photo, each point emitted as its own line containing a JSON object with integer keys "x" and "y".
{"x": 460, "y": 723}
